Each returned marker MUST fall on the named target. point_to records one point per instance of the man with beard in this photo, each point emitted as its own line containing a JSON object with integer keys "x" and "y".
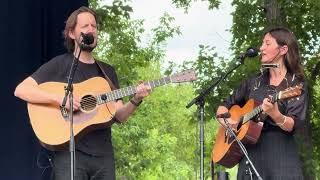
{"x": 94, "y": 152}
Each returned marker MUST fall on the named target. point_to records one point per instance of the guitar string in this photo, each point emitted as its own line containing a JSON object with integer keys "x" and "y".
{"x": 92, "y": 101}
{"x": 114, "y": 94}
{"x": 123, "y": 92}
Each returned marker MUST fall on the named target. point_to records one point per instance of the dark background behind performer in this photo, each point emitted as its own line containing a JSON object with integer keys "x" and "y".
{"x": 31, "y": 34}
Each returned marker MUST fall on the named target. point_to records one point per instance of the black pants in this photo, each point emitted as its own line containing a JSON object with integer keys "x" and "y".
{"x": 87, "y": 167}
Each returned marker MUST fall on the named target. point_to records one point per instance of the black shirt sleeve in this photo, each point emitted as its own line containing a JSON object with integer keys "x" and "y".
{"x": 297, "y": 107}
{"x": 54, "y": 70}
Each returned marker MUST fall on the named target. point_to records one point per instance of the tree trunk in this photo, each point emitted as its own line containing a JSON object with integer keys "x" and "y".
{"x": 273, "y": 12}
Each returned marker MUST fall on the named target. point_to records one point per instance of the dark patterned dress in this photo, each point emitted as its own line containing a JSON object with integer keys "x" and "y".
{"x": 275, "y": 155}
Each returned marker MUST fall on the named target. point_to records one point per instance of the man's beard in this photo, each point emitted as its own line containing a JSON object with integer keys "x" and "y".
{"x": 87, "y": 48}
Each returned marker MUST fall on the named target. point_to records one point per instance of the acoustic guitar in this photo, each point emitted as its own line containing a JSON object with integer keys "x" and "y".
{"x": 96, "y": 108}
{"x": 226, "y": 150}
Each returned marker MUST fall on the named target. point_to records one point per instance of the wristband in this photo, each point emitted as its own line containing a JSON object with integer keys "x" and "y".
{"x": 135, "y": 103}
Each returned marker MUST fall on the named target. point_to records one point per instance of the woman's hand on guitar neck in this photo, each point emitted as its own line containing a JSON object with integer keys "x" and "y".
{"x": 286, "y": 123}
{"x": 270, "y": 108}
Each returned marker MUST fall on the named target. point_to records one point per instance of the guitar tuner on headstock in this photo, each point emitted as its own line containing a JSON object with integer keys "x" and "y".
{"x": 184, "y": 76}
{"x": 291, "y": 91}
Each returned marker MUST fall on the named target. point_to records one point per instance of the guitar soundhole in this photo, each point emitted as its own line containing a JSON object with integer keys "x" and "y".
{"x": 88, "y": 103}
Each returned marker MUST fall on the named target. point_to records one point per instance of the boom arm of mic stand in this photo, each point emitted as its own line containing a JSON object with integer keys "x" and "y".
{"x": 206, "y": 91}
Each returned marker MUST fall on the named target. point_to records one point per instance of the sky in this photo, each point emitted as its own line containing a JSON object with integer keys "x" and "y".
{"x": 198, "y": 26}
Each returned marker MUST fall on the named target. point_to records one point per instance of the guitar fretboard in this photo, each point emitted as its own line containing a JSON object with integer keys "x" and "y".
{"x": 130, "y": 90}
{"x": 247, "y": 117}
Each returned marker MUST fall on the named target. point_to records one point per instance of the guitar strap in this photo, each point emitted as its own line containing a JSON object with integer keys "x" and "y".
{"x": 105, "y": 75}
{"x": 114, "y": 119}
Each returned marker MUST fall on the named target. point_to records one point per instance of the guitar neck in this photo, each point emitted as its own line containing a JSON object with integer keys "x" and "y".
{"x": 130, "y": 90}
{"x": 287, "y": 93}
{"x": 247, "y": 117}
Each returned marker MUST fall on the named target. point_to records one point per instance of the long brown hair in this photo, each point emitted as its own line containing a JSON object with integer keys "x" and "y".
{"x": 71, "y": 24}
{"x": 292, "y": 59}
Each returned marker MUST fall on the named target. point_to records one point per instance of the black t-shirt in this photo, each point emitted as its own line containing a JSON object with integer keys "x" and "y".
{"x": 97, "y": 142}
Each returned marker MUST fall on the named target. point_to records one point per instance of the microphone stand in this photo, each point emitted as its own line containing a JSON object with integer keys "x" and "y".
{"x": 200, "y": 102}
{"x": 64, "y": 112}
{"x": 243, "y": 149}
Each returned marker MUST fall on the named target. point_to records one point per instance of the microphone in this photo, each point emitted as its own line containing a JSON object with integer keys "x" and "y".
{"x": 224, "y": 115}
{"x": 87, "y": 39}
{"x": 250, "y": 52}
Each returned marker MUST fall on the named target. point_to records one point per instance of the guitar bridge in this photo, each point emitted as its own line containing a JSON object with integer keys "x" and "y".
{"x": 228, "y": 138}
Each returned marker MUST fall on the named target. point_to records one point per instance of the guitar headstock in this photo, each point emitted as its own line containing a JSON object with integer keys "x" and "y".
{"x": 184, "y": 76}
{"x": 290, "y": 92}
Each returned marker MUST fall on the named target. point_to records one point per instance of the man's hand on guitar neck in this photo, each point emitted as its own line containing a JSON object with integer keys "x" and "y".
{"x": 142, "y": 91}
{"x": 125, "y": 110}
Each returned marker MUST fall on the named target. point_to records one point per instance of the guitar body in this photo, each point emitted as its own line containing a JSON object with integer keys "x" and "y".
{"x": 96, "y": 109}
{"x": 226, "y": 150}
{"x": 53, "y": 130}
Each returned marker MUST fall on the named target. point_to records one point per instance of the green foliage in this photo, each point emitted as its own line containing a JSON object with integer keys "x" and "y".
{"x": 186, "y": 4}
{"x": 158, "y": 141}
{"x": 210, "y": 68}
{"x": 250, "y": 19}
{"x": 303, "y": 18}
{"x": 120, "y": 42}
{"x": 164, "y": 30}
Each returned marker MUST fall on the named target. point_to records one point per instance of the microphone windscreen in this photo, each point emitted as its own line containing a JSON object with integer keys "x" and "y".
{"x": 87, "y": 38}
{"x": 252, "y": 52}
